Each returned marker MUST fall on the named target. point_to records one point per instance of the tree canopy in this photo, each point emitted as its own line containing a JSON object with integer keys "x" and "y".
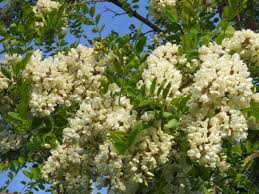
{"x": 171, "y": 109}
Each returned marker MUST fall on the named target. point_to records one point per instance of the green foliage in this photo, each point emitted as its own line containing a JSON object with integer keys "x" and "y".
{"x": 253, "y": 110}
{"x": 123, "y": 141}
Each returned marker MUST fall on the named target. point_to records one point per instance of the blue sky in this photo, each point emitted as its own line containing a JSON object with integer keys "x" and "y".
{"x": 119, "y": 24}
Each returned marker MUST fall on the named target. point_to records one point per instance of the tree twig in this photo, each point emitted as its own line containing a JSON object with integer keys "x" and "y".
{"x": 114, "y": 12}
{"x": 131, "y": 12}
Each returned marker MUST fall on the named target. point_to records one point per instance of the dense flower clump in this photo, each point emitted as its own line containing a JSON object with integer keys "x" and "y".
{"x": 8, "y": 62}
{"x": 10, "y": 141}
{"x": 246, "y": 44}
{"x": 126, "y": 172}
{"x": 63, "y": 79}
{"x": 157, "y": 7}
{"x": 96, "y": 117}
{"x": 4, "y": 82}
{"x": 222, "y": 88}
{"x": 162, "y": 67}
{"x": 44, "y": 6}
{"x": 217, "y": 93}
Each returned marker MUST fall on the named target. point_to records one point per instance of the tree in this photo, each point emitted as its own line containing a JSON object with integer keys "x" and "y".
{"x": 175, "y": 114}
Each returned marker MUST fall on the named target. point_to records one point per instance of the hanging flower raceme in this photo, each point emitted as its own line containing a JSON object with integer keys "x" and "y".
{"x": 162, "y": 67}
{"x": 44, "y": 6}
{"x": 10, "y": 141}
{"x": 62, "y": 79}
{"x": 8, "y": 62}
{"x": 246, "y": 44}
{"x": 125, "y": 172}
{"x": 48, "y": 12}
{"x": 221, "y": 89}
{"x": 158, "y": 7}
{"x": 97, "y": 117}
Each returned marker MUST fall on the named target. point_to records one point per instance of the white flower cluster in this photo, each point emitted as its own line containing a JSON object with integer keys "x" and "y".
{"x": 62, "y": 79}
{"x": 161, "y": 65}
{"x": 4, "y": 82}
{"x": 98, "y": 115}
{"x": 109, "y": 167}
{"x": 127, "y": 171}
{"x": 223, "y": 80}
{"x": 157, "y": 7}
{"x": 222, "y": 87}
{"x": 7, "y": 63}
{"x": 66, "y": 167}
{"x": 246, "y": 44}
{"x": 10, "y": 60}
{"x": 44, "y": 6}
{"x": 10, "y": 141}
{"x": 151, "y": 151}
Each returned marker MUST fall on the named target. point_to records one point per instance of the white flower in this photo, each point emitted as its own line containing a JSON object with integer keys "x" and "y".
{"x": 69, "y": 162}
{"x": 43, "y": 6}
{"x": 157, "y": 7}
{"x": 10, "y": 141}
{"x": 221, "y": 80}
{"x": 245, "y": 43}
{"x": 161, "y": 65}
{"x": 221, "y": 89}
{"x": 62, "y": 79}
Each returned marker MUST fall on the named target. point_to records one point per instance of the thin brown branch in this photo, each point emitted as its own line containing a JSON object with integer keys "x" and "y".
{"x": 131, "y": 12}
{"x": 114, "y": 12}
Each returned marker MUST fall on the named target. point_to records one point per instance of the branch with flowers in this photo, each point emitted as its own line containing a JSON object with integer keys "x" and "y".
{"x": 176, "y": 113}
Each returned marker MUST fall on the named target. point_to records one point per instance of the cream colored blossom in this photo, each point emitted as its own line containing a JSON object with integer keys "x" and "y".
{"x": 43, "y": 6}
{"x": 221, "y": 89}
{"x": 162, "y": 67}
{"x": 246, "y": 44}
{"x": 62, "y": 79}
{"x": 157, "y": 7}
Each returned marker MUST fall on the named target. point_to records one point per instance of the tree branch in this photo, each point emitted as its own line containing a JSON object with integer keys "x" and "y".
{"x": 132, "y": 12}
{"x": 114, "y": 12}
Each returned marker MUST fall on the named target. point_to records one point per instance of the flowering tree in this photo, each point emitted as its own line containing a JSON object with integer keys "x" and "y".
{"x": 177, "y": 113}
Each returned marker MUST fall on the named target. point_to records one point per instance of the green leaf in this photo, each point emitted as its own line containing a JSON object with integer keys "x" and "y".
{"x": 180, "y": 50}
{"x": 27, "y": 174}
{"x": 172, "y": 124}
{"x": 18, "y": 122}
{"x": 84, "y": 8}
{"x": 141, "y": 44}
{"x": 95, "y": 30}
{"x": 18, "y": 68}
{"x": 35, "y": 172}
{"x": 253, "y": 110}
{"x": 166, "y": 90}
{"x": 25, "y": 95}
{"x": 161, "y": 87}
{"x": 145, "y": 102}
{"x": 7, "y": 73}
{"x": 21, "y": 160}
{"x": 248, "y": 146}
{"x": 122, "y": 141}
{"x": 181, "y": 104}
{"x": 41, "y": 186}
{"x": 229, "y": 31}
{"x": 26, "y": 60}
{"x": 153, "y": 86}
{"x": 119, "y": 141}
{"x": 134, "y": 132}
{"x": 92, "y": 11}
{"x": 97, "y": 18}
{"x": 167, "y": 114}
{"x": 205, "y": 190}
